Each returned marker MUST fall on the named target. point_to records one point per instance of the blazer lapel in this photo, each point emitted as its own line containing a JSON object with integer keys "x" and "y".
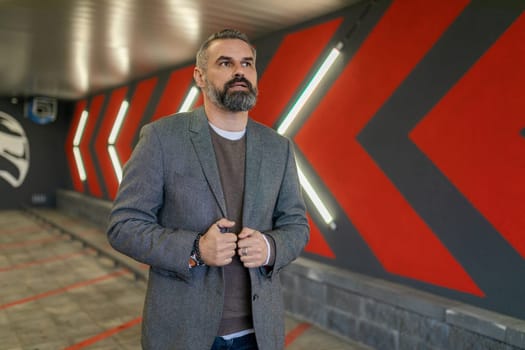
{"x": 254, "y": 151}
{"x": 200, "y": 137}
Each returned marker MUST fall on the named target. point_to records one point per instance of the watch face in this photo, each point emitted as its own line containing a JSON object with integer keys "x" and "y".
{"x": 194, "y": 261}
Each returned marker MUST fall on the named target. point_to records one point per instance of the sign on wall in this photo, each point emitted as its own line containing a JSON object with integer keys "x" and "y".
{"x": 14, "y": 151}
{"x": 32, "y": 162}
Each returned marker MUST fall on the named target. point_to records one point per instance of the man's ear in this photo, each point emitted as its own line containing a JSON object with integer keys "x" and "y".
{"x": 198, "y": 76}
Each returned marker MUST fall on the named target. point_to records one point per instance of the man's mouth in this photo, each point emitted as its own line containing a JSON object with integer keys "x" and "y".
{"x": 239, "y": 83}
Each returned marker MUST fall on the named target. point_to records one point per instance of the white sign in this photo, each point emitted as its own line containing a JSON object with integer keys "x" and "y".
{"x": 14, "y": 147}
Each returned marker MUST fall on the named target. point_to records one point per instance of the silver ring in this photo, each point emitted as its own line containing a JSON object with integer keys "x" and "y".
{"x": 244, "y": 251}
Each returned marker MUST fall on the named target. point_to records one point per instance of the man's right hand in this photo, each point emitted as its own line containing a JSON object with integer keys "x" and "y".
{"x": 216, "y": 248}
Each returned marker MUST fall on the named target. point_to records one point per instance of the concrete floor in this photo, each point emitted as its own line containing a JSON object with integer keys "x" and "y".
{"x": 59, "y": 293}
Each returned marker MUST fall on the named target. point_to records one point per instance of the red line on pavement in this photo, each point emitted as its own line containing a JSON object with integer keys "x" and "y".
{"x": 64, "y": 289}
{"x": 104, "y": 335}
{"x": 290, "y": 337}
{"x": 22, "y": 229}
{"x": 42, "y": 261}
{"x": 296, "y": 333}
{"x": 30, "y": 242}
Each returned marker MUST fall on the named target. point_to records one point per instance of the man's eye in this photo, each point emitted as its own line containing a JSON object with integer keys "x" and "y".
{"x": 224, "y": 63}
{"x": 247, "y": 64}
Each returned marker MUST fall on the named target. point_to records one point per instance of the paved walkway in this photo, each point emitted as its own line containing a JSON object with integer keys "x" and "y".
{"x": 60, "y": 288}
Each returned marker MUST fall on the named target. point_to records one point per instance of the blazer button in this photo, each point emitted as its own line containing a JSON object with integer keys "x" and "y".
{"x": 255, "y": 297}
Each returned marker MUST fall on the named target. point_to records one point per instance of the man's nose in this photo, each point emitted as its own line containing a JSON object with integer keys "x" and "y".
{"x": 238, "y": 70}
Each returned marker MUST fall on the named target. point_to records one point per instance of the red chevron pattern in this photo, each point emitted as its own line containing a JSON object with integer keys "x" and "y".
{"x": 483, "y": 152}
{"x": 174, "y": 92}
{"x": 417, "y": 143}
{"x": 280, "y": 82}
{"x": 293, "y": 60}
{"x": 403, "y": 243}
{"x": 140, "y": 100}
{"x": 101, "y": 143}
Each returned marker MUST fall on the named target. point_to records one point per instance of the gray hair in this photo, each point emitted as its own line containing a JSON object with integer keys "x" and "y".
{"x": 202, "y": 55}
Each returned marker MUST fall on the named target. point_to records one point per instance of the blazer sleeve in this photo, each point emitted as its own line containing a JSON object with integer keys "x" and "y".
{"x": 290, "y": 231}
{"x": 133, "y": 223}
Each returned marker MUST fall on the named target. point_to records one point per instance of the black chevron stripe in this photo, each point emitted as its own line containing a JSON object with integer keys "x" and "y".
{"x": 494, "y": 265}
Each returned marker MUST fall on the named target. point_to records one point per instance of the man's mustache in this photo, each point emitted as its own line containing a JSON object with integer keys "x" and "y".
{"x": 236, "y": 80}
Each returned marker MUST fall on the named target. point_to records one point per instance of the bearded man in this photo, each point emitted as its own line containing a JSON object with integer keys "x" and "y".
{"x": 211, "y": 201}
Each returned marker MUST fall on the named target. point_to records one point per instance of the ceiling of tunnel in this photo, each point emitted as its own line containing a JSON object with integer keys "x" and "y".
{"x": 69, "y": 49}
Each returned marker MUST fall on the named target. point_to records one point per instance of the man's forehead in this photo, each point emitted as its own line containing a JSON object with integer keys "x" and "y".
{"x": 234, "y": 48}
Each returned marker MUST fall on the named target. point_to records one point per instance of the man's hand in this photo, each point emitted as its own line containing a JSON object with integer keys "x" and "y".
{"x": 216, "y": 248}
{"x": 252, "y": 248}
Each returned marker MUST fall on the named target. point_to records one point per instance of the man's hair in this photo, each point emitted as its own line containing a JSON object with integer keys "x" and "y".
{"x": 202, "y": 55}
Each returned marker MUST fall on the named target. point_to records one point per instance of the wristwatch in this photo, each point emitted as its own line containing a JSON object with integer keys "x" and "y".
{"x": 195, "y": 257}
{"x": 194, "y": 261}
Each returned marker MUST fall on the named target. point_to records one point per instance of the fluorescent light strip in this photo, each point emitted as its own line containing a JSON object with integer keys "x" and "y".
{"x": 190, "y": 99}
{"x": 79, "y": 132}
{"x": 314, "y": 197}
{"x": 79, "y": 163}
{"x": 80, "y": 128}
{"x": 115, "y": 130}
{"x": 118, "y": 122}
{"x": 290, "y": 117}
{"x": 115, "y": 161}
{"x": 307, "y": 92}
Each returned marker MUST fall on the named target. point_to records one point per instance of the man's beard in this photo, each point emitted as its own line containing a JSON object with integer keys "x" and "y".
{"x": 234, "y": 101}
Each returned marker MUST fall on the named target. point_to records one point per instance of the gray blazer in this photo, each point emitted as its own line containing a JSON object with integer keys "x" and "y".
{"x": 171, "y": 191}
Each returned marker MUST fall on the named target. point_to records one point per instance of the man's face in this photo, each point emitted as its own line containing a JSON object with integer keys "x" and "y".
{"x": 230, "y": 79}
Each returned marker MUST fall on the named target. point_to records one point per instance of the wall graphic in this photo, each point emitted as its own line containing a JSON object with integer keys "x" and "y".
{"x": 14, "y": 151}
{"x": 32, "y": 165}
{"x": 414, "y": 140}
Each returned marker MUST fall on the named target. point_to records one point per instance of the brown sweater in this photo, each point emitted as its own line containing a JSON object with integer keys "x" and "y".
{"x": 231, "y": 155}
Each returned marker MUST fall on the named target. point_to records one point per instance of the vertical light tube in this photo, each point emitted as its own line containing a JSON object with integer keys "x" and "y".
{"x": 307, "y": 92}
{"x": 290, "y": 118}
{"x": 316, "y": 200}
{"x": 115, "y": 130}
{"x": 79, "y": 132}
{"x": 115, "y": 162}
{"x": 80, "y": 164}
{"x": 118, "y": 122}
{"x": 80, "y": 128}
{"x": 189, "y": 100}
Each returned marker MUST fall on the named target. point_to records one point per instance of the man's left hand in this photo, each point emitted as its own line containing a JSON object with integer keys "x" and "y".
{"x": 252, "y": 248}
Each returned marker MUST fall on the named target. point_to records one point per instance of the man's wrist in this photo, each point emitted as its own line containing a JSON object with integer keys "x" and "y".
{"x": 195, "y": 257}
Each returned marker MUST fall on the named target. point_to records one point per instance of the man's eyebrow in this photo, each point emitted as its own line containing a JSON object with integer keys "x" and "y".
{"x": 228, "y": 58}
{"x": 222, "y": 58}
